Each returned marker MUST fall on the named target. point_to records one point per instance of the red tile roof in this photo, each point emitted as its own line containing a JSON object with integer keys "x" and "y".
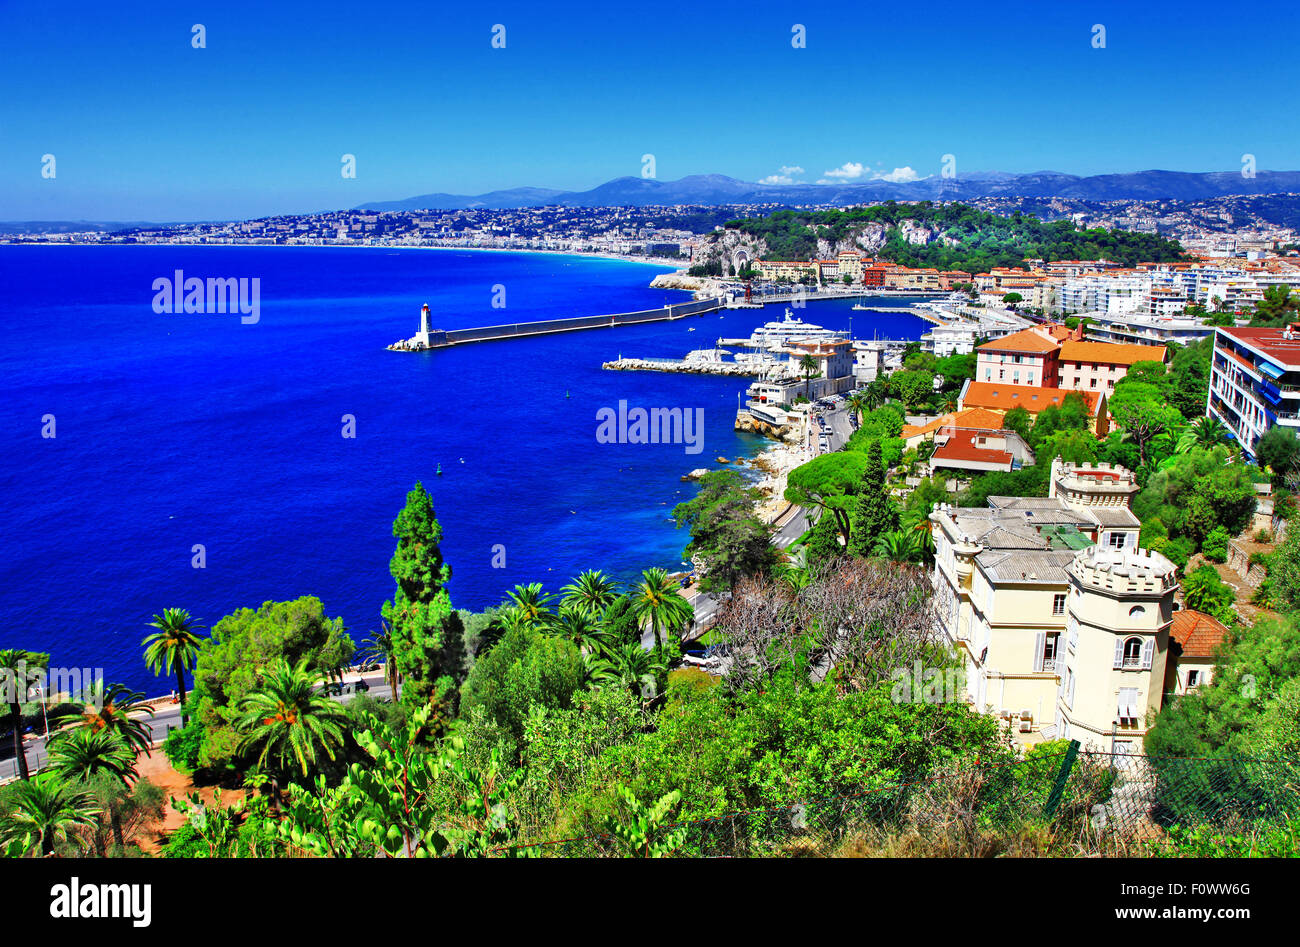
{"x": 961, "y": 446}
{"x": 1197, "y": 633}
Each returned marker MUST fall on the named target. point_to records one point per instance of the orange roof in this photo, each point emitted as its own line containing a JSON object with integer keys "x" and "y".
{"x": 1026, "y": 340}
{"x": 973, "y": 418}
{"x": 1000, "y": 397}
{"x": 1197, "y": 633}
{"x": 1112, "y": 353}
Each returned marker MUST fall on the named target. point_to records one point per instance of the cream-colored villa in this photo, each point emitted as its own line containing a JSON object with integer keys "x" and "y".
{"x": 1063, "y": 621}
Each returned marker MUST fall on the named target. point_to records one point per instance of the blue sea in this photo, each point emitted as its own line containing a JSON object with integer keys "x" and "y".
{"x": 173, "y": 430}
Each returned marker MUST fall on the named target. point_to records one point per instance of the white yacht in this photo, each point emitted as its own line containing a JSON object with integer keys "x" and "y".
{"x": 774, "y": 335}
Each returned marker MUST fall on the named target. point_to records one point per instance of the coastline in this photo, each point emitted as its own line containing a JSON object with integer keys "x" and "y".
{"x": 585, "y": 255}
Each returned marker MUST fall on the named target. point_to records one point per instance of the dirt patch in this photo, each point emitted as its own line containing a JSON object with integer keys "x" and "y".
{"x": 159, "y": 770}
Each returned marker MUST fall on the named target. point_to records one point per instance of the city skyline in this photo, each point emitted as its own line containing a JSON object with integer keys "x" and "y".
{"x": 258, "y": 121}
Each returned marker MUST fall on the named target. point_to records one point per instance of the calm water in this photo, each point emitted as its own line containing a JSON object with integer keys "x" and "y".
{"x": 174, "y": 430}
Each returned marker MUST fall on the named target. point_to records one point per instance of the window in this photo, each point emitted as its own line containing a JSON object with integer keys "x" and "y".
{"x": 1128, "y": 704}
{"x": 1117, "y": 540}
{"x": 1049, "y": 654}
{"x": 1058, "y": 604}
{"x": 1193, "y": 678}
{"x": 1137, "y": 611}
{"x": 1133, "y": 653}
{"x": 1092, "y": 383}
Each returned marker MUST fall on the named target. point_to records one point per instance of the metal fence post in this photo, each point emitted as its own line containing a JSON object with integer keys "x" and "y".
{"x": 1067, "y": 764}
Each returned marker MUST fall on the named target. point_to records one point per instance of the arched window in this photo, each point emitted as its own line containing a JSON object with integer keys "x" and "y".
{"x": 1137, "y": 611}
{"x": 1133, "y": 652}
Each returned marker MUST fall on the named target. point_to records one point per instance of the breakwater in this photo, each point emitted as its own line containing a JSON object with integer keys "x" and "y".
{"x": 691, "y": 367}
{"x": 443, "y": 338}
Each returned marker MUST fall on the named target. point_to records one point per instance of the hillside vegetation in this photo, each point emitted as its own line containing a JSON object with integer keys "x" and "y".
{"x": 947, "y": 236}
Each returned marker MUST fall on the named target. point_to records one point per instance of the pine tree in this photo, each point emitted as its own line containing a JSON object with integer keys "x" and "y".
{"x": 428, "y": 639}
{"x": 874, "y": 512}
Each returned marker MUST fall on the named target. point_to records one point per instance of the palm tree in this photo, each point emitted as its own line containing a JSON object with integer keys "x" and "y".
{"x": 581, "y": 628}
{"x": 857, "y": 403}
{"x": 533, "y": 604}
{"x": 173, "y": 648}
{"x": 657, "y": 601}
{"x": 630, "y": 666}
{"x": 808, "y": 365}
{"x": 115, "y": 708}
{"x": 898, "y": 545}
{"x": 47, "y": 810}
{"x": 1204, "y": 432}
{"x": 795, "y": 574}
{"x": 289, "y": 719}
{"x": 379, "y": 648}
{"x": 591, "y": 592}
{"x": 84, "y": 753}
{"x": 16, "y": 665}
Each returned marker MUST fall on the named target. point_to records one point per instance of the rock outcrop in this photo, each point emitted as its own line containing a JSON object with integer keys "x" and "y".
{"x": 747, "y": 422}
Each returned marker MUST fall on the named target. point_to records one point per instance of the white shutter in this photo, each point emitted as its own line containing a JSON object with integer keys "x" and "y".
{"x": 1073, "y": 681}
{"x": 1148, "y": 651}
{"x": 1119, "y": 653}
{"x": 1040, "y": 644}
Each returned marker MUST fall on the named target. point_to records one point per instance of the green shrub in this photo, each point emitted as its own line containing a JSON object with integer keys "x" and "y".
{"x": 183, "y": 746}
{"x": 1215, "y": 546}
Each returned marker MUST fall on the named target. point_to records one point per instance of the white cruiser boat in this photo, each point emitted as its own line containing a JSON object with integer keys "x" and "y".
{"x": 775, "y": 335}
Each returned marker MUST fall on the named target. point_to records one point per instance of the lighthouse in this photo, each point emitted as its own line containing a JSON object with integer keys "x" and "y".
{"x": 421, "y": 339}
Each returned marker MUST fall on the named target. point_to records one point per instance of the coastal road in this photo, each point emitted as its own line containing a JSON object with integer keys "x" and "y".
{"x": 167, "y": 717}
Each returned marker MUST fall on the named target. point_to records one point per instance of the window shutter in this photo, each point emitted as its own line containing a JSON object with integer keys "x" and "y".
{"x": 1040, "y": 644}
{"x": 1073, "y": 680}
{"x": 1148, "y": 652}
{"x": 1119, "y": 653}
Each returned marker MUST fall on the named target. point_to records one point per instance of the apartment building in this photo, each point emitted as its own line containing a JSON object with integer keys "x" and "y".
{"x": 1098, "y": 366}
{"x": 834, "y": 358}
{"x": 1027, "y": 357}
{"x": 1063, "y": 623}
{"x": 1149, "y": 330}
{"x": 1255, "y": 381}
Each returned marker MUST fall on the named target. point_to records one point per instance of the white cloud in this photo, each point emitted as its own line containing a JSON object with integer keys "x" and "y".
{"x": 857, "y": 171}
{"x": 786, "y": 175}
{"x": 898, "y": 176}
{"x": 848, "y": 171}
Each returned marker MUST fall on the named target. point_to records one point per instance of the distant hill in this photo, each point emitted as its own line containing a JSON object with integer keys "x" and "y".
{"x": 945, "y": 237}
{"x": 720, "y": 189}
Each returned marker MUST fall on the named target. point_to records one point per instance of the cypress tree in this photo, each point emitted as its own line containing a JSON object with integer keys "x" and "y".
{"x": 428, "y": 638}
{"x": 823, "y": 543}
{"x": 874, "y": 512}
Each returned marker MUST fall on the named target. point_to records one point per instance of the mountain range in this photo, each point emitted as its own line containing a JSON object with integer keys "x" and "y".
{"x": 710, "y": 189}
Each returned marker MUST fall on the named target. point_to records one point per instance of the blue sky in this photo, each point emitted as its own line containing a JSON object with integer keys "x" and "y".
{"x": 145, "y": 127}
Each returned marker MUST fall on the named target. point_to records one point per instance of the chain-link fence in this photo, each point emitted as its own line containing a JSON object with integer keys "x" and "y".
{"x": 1069, "y": 803}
